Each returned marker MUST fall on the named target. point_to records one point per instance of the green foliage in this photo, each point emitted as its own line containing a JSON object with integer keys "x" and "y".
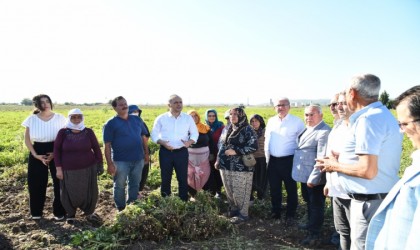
{"x": 26, "y": 102}
{"x": 156, "y": 218}
{"x": 384, "y": 98}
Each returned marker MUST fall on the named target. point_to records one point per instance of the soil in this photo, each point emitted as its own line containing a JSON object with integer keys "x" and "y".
{"x": 18, "y": 231}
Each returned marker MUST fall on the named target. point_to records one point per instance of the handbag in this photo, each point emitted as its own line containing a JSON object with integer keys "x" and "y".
{"x": 249, "y": 160}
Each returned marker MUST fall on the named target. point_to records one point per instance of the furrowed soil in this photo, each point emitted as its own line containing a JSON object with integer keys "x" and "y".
{"x": 18, "y": 231}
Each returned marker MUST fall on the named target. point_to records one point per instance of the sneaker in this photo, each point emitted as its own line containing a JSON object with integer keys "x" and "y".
{"x": 93, "y": 217}
{"x": 58, "y": 218}
{"x": 232, "y": 213}
{"x": 238, "y": 219}
{"x": 217, "y": 196}
{"x": 35, "y": 217}
{"x": 70, "y": 220}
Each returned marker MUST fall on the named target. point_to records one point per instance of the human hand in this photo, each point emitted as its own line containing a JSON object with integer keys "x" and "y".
{"x": 112, "y": 169}
{"x": 216, "y": 165}
{"x": 230, "y": 152}
{"x": 326, "y": 164}
{"x": 326, "y": 191}
{"x": 310, "y": 185}
{"x": 59, "y": 173}
{"x": 188, "y": 143}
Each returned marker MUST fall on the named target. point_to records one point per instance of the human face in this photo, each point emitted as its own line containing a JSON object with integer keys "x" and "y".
{"x": 45, "y": 104}
{"x": 351, "y": 104}
{"x": 282, "y": 108}
{"x": 234, "y": 118}
{"x": 333, "y": 106}
{"x": 175, "y": 105}
{"x": 312, "y": 116}
{"x": 195, "y": 117}
{"x": 408, "y": 125}
{"x": 76, "y": 119}
{"x": 255, "y": 123}
{"x": 342, "y": 109}
{"x": 211, "y": 117}
{"x": 122, "y": 107}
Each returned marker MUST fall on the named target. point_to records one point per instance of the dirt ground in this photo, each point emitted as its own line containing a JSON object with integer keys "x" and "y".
{"x": 17, "y": 231}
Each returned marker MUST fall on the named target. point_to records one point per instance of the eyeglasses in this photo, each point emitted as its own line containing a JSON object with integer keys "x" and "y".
{"x": 405, "y": 124}
{"x": 76, "y": 117}
{"x": 281, "y": 105}
{"x": 211, "y": 116}
{"x": 333, "y": 104}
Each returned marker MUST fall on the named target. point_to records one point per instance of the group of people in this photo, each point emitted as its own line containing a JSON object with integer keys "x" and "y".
{"x": 356, "y": 162}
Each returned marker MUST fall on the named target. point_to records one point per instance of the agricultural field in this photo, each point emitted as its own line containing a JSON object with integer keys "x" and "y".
{"x": 152, "y": 223}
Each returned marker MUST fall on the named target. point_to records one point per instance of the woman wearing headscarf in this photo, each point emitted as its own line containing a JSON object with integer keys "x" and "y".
{"x": 259, "y": 181}
{"x": 78, "y": 162}
{"x": 214, "y": 184}
{"x": 198, "y": 156}
{"x": 240, "y": 140}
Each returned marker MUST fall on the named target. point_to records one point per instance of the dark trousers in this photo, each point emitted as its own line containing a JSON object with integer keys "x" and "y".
{"x": 38, "y": 181}
{"x": 259, "y": 179}
{"x": 214, "y": 184}
{"x": 279, "y": 171}
{"x": 144, "y": 175}
{"x": 315, "y": 200}
{"x": 170, "y": 160}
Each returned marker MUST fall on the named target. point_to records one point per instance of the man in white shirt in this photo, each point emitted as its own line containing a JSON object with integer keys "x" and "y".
{"x": 175, "y": 131}
{"x": 280, "y": 143}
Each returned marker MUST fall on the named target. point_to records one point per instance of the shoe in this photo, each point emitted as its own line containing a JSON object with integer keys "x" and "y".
{"x": 58, "y": 218}
{"x": 217, "y": 196}
{"x": 70, "y": 220}
{"x": 35, "y": 217}
{"x": 232, "y": 213}
{"x": 93, "y": 218}
{"x": 192, "y": 199}
{"x": 239, "y": 219}
{"x": 311, "y": 240}
{"x": 290, "y": 221}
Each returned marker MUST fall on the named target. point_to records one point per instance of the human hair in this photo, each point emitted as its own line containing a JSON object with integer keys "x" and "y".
{"x": 412, "y": 97}
{"x": 172, "y": 97}
{"x": 284, "y": 99}
{"x": 315, "y": 106}
{"x": 38, "y": 104}
{"x": 115, "y": 100}
{"x": 367, "y": 86}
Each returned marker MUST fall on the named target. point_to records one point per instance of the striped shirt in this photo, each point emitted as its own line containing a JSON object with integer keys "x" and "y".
{"x": 44, "y": 131}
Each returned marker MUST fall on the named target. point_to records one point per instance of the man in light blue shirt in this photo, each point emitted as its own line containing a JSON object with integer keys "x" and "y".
{"x": 369, "y": 163}
{"x": 175, "y": 131}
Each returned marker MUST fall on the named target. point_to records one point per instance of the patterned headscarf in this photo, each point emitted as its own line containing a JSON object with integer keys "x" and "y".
{"x": 202, "y": 128}
{"x": 71, "y": 125}
{"x": 216, "y": 124}
{"x": 260, "y": 130}
{"x": 238, "y": 126}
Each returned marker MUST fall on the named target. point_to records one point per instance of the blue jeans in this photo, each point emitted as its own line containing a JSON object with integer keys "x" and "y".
{"x": 127, "y": 171}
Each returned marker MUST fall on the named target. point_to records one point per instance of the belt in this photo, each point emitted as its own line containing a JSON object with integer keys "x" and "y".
{"x": 174, "y": 150}
{"x": 367, "y": 197}
{"x": 282, "y": 157}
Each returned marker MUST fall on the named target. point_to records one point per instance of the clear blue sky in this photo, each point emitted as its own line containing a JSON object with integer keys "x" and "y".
{"x": 214, "y": 51}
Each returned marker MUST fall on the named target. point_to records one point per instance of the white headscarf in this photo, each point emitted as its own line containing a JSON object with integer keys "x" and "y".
{"x": 71, "y": 125}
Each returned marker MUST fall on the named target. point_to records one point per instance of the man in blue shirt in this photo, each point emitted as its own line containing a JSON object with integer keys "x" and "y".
{"x": 125, "y": 151}
{"x": 369, "y": 162}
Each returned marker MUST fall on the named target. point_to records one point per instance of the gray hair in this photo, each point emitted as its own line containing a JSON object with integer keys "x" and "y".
{"x": 314, "y": 106}
{"x": 284, "y": 99}
{"x": 172, "y": 97}
{"x": 367, "y": 86}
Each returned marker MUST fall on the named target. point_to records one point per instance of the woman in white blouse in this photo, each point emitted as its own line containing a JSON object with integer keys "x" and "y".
{"x": 41, "y": 130}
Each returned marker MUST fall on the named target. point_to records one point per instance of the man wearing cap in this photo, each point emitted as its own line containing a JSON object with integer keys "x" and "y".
{"x": 135, "y": 110}
{"x": 174, "y": 131}
{"x": 125, "y": 151}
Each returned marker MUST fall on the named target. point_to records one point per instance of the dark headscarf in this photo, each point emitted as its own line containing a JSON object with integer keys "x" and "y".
{"x": 260, "y": 130}
{"x": 235, "y": 128}
{"x": 216, "y": 124}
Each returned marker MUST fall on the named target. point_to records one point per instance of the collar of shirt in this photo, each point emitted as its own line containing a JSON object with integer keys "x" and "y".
{"x": 357, "y": 114}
